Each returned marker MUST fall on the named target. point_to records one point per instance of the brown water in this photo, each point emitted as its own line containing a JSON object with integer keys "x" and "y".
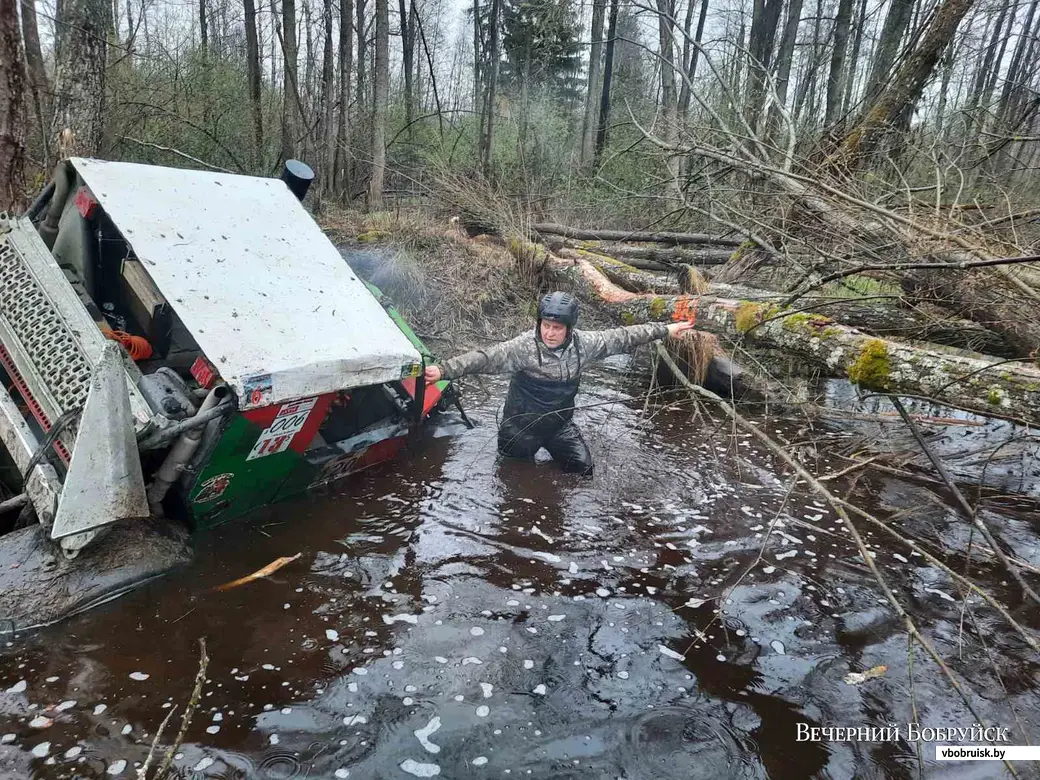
{"x": 459, "y": 615}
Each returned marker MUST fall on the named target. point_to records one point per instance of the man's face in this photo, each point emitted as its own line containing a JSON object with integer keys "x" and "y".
{"x": 553, "y": 333}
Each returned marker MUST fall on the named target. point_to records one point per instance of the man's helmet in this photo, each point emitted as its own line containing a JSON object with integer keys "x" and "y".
{"x": 559, "y": 307}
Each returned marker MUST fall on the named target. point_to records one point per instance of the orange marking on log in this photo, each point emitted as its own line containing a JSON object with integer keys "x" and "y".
{"x": 684, "y": 312}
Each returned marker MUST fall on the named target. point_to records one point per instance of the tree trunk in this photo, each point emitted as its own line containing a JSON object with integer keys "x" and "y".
{"x": 327, "y": 137}
{"x": 785, "y": 59}
{"x": 835, "y": 80}
{"x": 362, "y": 56}
{"x": 290, "y": 83}
{"x": 608, "y": 76}
{"x": 655, "y": 258}
{"x": 896, "y": 21}
{"x": 974, "y": 382}
{"x": 381, "y": 79}
{"x": 12, "y": 113}
{"x": 79, "y": 81}
{"x": 905, "y": 87}
{"x": 478, "y": 93}
{"x": 39, "y": 86}
{"x": 253, "y": 68}
{"x": 669, "y": 99}
{"x": 695, "y": 54}
{"x": 488, "y": 136}
{"x": 346, "y": 56}
{"x": 762, "y": 39}
{"x": 407, "y": 8}
{"x": 850, "y": 79}
{"x": 203, "y": 24}
{"x": 595, "y": 84}
{"x": 633, "y": 235}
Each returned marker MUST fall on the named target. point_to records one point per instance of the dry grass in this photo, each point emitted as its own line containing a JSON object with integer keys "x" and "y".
{"x": 456, "y": 293}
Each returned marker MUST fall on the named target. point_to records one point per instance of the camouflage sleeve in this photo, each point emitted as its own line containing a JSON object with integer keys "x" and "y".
{"x": 598, "y": 344}
{"x": 503, "y": 358}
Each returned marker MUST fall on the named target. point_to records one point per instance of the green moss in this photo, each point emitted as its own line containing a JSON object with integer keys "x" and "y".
{"x": 995, "y": 397}
{"x": 371, "y": 236}
{"x": 658, "y": 307}
{"x": 748, "y": 316}
{"x": 799, "y": 320}
{"x": 740, "y": 250}
{"x": 831, "y": 331}
{"x": 628, "y": 318}
{"x": 871, "y": 367}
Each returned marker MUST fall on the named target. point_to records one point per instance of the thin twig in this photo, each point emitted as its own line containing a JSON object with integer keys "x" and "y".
{"x": 193, "y": 703}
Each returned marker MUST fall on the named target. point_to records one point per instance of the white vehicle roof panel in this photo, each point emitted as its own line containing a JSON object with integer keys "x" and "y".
{"x": 259, "y": 286}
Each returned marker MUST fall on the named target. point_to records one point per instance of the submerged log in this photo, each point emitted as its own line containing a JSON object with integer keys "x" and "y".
{"x": 968, "y": 381}
{"x": 639, "y": 236}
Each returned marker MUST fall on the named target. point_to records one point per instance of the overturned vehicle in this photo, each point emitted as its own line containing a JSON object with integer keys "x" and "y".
{"x": 178, "y": 348}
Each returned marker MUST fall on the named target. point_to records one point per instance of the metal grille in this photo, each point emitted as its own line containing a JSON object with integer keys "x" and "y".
{"x": 42, "y": 333}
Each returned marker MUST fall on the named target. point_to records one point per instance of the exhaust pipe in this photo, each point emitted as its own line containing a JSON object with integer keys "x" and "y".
{"x": 298, "y": 177}
{"x": 181, "y": 453}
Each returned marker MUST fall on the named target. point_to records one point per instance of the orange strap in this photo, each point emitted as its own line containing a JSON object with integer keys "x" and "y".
{"x": 137, "y": 346}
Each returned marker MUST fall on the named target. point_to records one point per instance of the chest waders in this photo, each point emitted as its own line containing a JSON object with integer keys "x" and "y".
{"x": 539, "y": 413}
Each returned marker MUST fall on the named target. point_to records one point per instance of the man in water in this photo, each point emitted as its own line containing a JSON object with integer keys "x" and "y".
{"x": 546, "y": 365}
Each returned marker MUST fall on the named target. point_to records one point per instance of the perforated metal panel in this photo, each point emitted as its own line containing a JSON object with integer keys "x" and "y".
{"x": 42, "y": 333}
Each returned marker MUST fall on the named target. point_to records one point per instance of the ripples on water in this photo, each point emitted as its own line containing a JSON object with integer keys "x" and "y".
{"x": 457, "y": 616}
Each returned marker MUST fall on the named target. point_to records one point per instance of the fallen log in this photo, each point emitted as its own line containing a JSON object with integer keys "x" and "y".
{"x": 639, "y": 236}
{"x": 967, "y": 381}
{"x": 664, "y": 256}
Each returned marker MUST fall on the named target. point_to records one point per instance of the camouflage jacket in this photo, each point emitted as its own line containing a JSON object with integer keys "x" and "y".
{"x": 527, "y": 353}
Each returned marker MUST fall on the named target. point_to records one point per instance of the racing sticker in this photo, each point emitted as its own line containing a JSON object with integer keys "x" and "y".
{"x": 257, "y": 389}
{"x": 287, "y": 423}
{"x": 213, "y": 488}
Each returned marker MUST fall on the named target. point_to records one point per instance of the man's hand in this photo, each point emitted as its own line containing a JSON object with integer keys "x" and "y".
{"x": 677, "y": 328}
{"x": 433, "y": 374}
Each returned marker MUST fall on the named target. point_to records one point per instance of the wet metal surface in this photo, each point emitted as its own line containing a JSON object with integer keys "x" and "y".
{"x": 453, "y": 615}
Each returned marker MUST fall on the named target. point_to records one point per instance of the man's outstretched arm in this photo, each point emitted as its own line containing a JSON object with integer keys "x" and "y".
{"x": 504, "y": 358}
{"x": 598, "y": 344}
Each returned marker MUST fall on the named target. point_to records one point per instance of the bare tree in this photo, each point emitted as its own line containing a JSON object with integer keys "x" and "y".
{"x": 12, "y": 115}
{"x": 835, "y": 80}
{"x": 203, "y": 24}
{"x": 407, "y": 9}
{"x": 79, "y": 81}
{"x": 346, "y": 55}
{"x": 327, "y": 136}
{"x": 290, "y": 85}
{"x": 253, "y": 70}
{"x": 608, "y": 78}
{"x": 39, "y": 86}
{"x": 595, "y": 83}
{"x": 381, "y": 79}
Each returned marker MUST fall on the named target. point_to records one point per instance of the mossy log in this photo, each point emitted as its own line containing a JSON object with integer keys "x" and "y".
{"x": 664, "y": 237}
{"x": 966, "y": 380}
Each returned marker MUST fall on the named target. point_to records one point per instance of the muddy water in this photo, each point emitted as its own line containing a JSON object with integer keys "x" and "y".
{"x": 453, "y": 615}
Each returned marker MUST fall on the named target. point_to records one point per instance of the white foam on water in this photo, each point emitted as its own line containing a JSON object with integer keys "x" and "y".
{"x": 483, "y": 711}
{"x": 341, "y": 773}
{"x": 410, "y": 689}
{"x": 420, "y": 770}
{"x": 53, "y": 679}
{"x": 671, "y": 653}
{"x": 528, "y": 664}
{"x": 471, "y": 660}
{"x": 274, "y": 739}
{"x": 623, "y": 675}
{"x": 398, "y": 665}
{"x": 73, "y": 751}
{"x": 203, "y": 765}
{"x": 479, "y": 761}
{"x": 404, "y": 618}
{"x": 423, "y": 735}
{"x": 536, "y": 530}
{"x": 139, "y": 676}
{"x": 355, "y": 720}
{"x": 476, "y": 631}
{"x": 116, "y": 767}
{"x": 407, "y": 701}
{"x": 720, "y": 657}
{"x": 65, "y": 705}
{"x": 41, "y": 750}
{"x": 212, "y": 729}
{"x": 18, "y": 687}
{"x": 788, "y": 554}
{"x": 547, "y": 557}
{"x": 126, "y": 729}
{"x": 460, "y": 697}
{"x": 573, "y": 568}
{"x": 899, "y": 557}
{"x": 694, "y": 603}
{"x": 768, "y": 569}
{"x": 778, "y": 646}
{"x": 219, "y": 716}
{"x": 41, "y": 722}
{"x": 512, "y": 603}
{"x": 332, "y": 634}
{"x": 7, "y": 739}
{"x": 440, "y": 659}
{"x": 352, "y": 687}
{"x": 360, "y": 670}
{"x": 556, "y": 618}
{"x": 942, "y": 595}
{"x": 100, "y": 709}
{"x": 268, "y": 667}
{"x": 539, "y": 689}
{"x": 487, "y": 688}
